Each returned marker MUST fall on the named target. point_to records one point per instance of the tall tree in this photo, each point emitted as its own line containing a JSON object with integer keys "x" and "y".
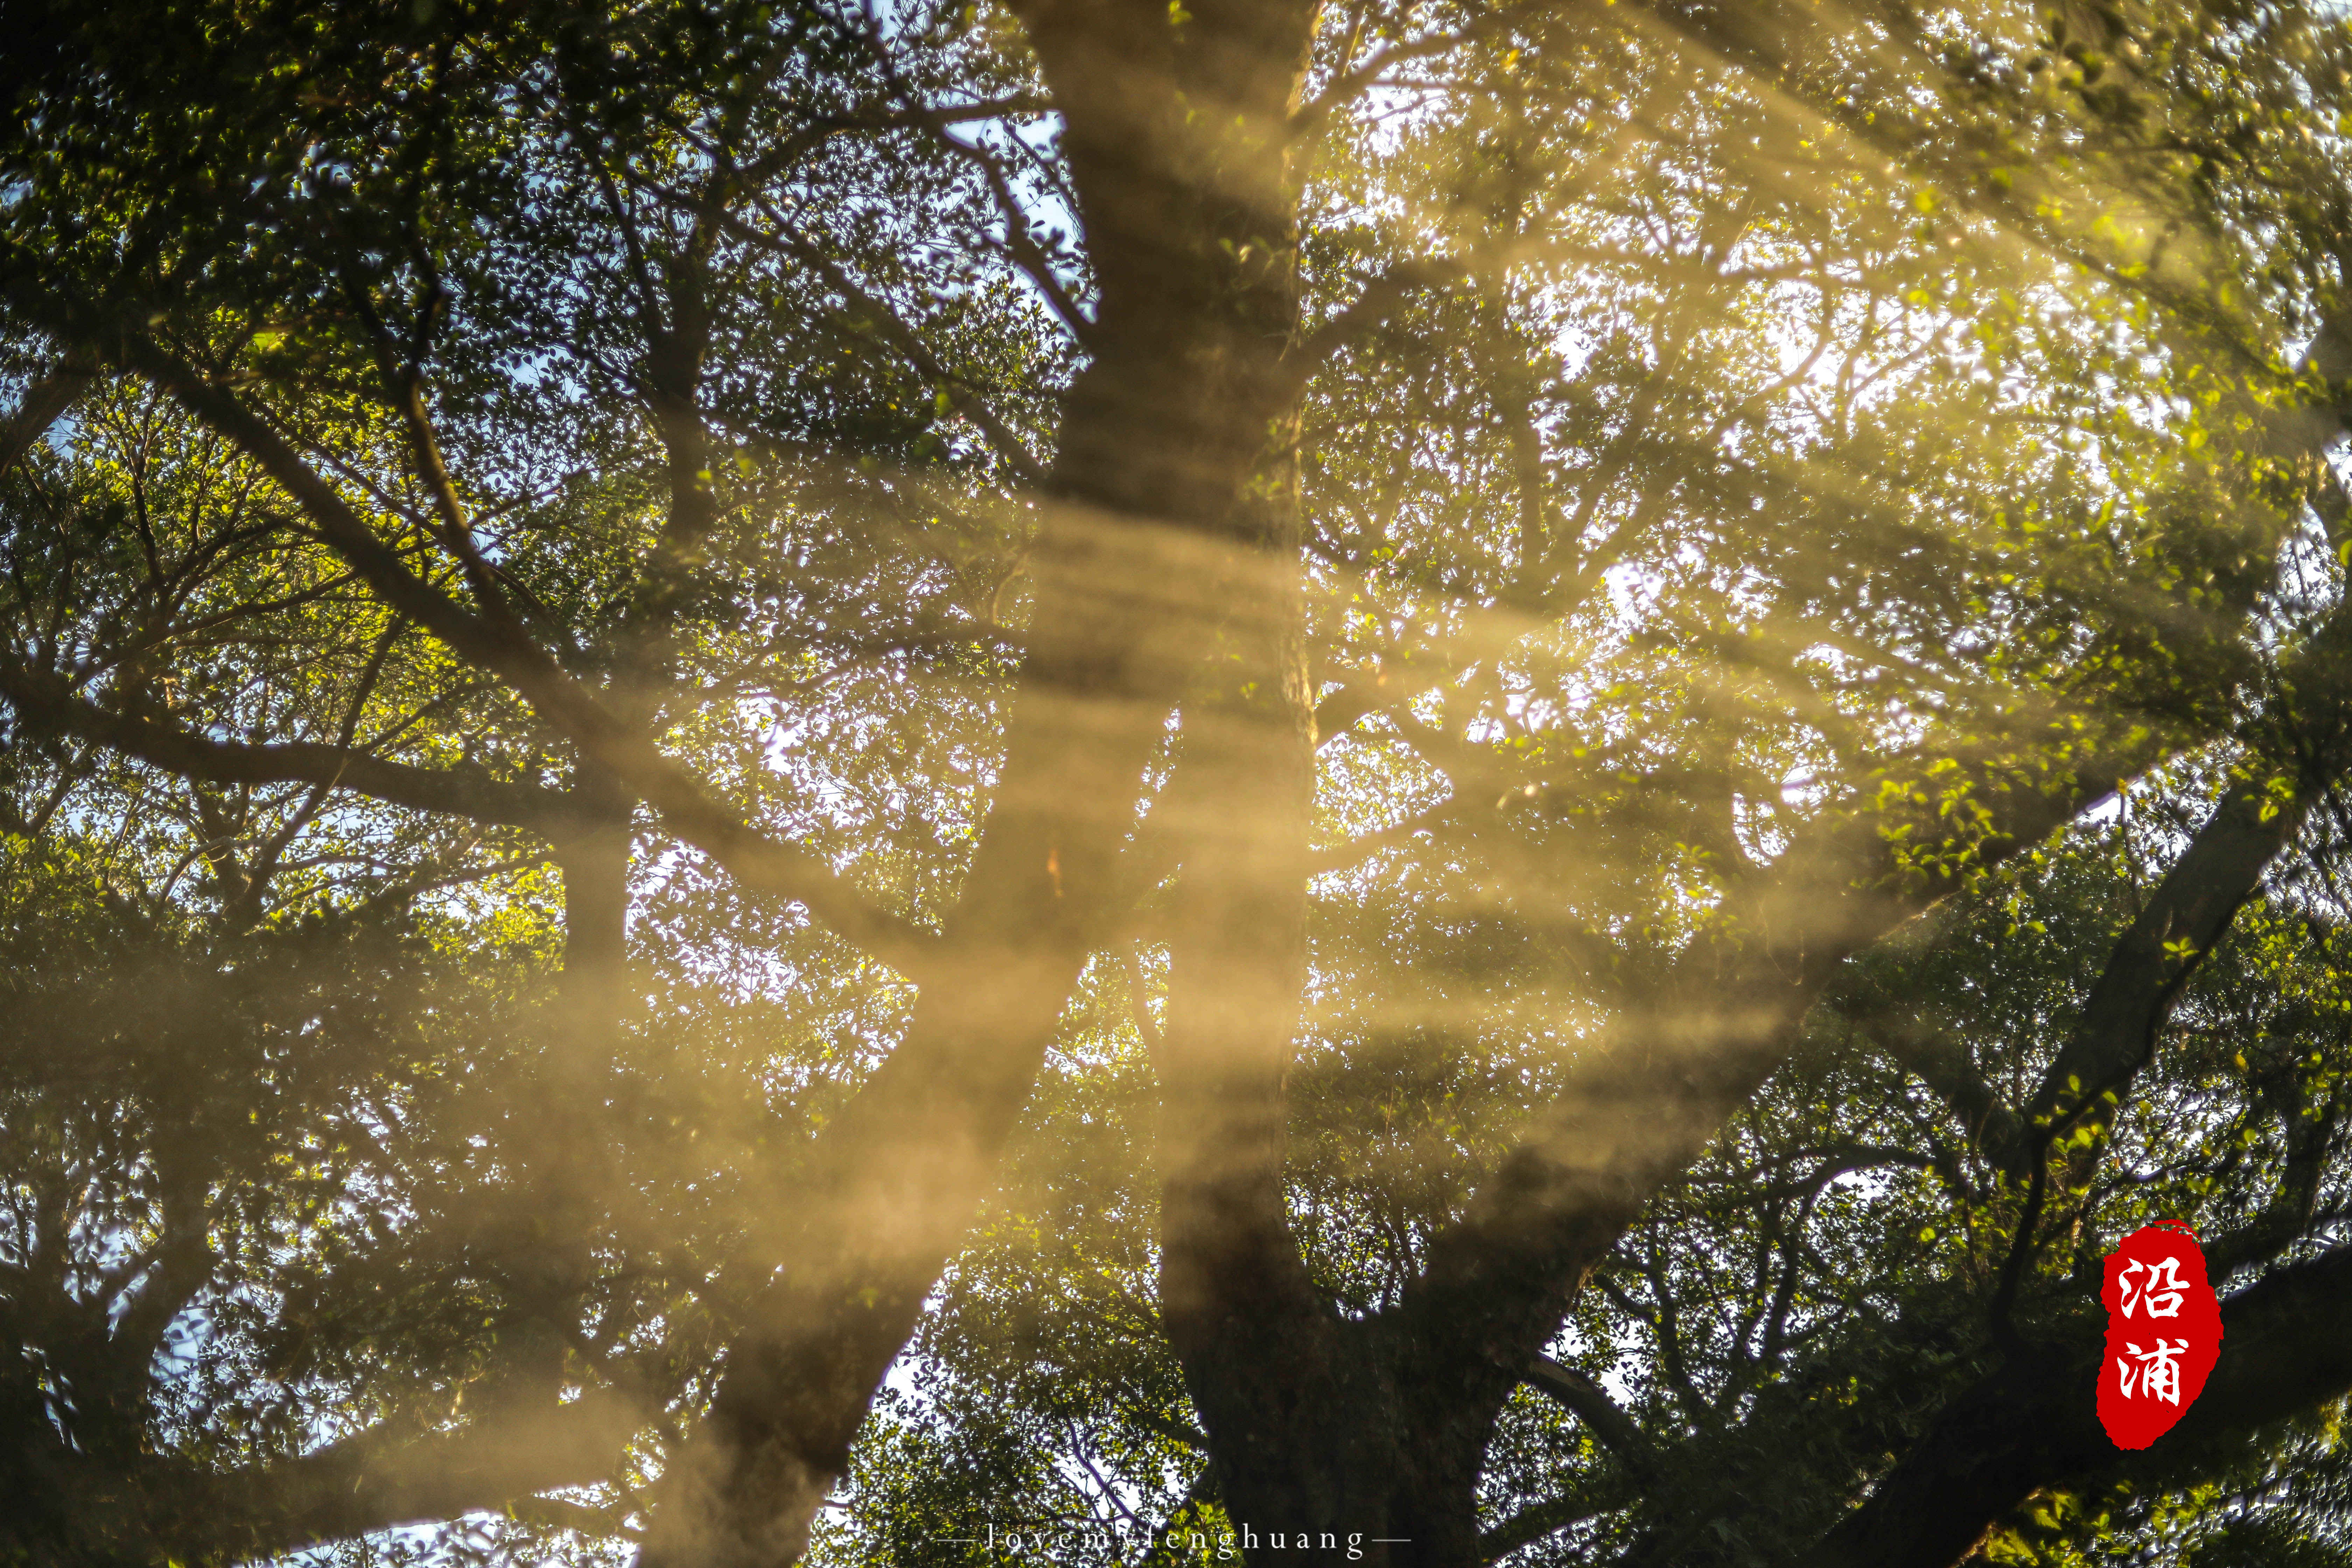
{"x": 1513, "y": 589}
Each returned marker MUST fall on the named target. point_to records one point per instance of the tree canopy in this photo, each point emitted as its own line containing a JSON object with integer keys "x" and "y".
{"x": 1071, "y": 779}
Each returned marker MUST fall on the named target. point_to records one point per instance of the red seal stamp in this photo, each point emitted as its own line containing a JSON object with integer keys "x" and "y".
{"x": 2164, "y": 1333}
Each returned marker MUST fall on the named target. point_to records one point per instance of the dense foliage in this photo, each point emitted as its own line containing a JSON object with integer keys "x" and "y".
{"x": 1080, "y": 781}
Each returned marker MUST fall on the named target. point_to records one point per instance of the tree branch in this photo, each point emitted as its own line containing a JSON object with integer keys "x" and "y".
{"x": 2035, "y": 1424}
{"x": 1617, "y": 1432}
{"x": 45, "y": 403}
{"x": 1500, "y": 1278}
{"x": 1349, "y": 85}
{"x": 1533, "y": 1524}
{"x": 756, "y": 861}
{"x": 376, "y": 1481}
{"x": 2302, "y": 748}
{"x": 903, "y": 339}
{"x": 1369, "y": 310}
{"x": 1931, "y": 1053}
{"x": 45, "y": 703}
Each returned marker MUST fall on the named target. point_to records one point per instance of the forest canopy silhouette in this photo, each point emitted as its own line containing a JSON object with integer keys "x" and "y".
{"x": 1103, "y": 782}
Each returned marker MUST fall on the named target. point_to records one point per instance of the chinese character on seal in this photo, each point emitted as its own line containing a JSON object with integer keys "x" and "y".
{"x": 2164, "y": 1333}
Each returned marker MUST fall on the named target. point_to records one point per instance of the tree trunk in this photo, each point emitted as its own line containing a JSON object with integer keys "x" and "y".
{"x": 1178, "y": 140}
{"x": 1294, "y": 1407}
{"x": 557, "y": 1122}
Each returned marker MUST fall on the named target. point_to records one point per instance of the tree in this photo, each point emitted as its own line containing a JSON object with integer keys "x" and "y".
{"x": 1593, "y": 548}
